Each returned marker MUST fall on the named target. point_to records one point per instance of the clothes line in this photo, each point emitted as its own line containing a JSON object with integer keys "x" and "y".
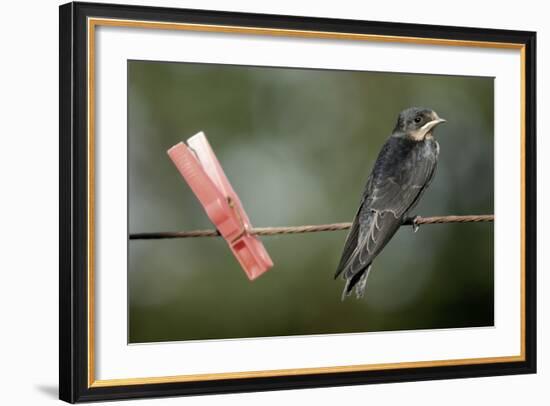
{"x": 269, "y": 231}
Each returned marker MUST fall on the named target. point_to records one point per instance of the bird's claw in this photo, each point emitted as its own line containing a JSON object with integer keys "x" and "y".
{"x": 415, "y": 224}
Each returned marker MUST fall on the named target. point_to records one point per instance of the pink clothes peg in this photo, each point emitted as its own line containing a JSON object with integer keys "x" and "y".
{"x": 202, "y": 171}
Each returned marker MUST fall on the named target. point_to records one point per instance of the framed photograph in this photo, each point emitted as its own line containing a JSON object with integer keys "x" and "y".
{"x": 257, "y": 202}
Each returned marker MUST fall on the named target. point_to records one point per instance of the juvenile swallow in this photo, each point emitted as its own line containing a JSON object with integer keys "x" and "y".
{"x": 403, "y": 170}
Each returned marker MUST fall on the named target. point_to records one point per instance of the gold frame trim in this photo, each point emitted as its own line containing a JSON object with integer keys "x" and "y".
{"x": 94, "y": 22}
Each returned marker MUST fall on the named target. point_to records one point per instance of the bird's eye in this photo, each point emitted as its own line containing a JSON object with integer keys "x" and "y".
{"x": 418, "y": 119}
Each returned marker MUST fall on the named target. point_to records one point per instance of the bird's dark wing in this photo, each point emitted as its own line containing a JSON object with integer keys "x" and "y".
{"x": 374, "y": 229}
{"x": 351, "y": 241}
{"x": 392, "y": 190}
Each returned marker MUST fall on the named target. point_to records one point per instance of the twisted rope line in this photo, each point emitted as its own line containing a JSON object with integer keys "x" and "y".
{"x": 267, "y": 231}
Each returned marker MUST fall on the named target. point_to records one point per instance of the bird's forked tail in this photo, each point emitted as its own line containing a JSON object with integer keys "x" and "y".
{"x": 358, "y": 281}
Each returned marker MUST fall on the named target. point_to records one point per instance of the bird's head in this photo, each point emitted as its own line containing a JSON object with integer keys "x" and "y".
{"x": 417, "y": 123}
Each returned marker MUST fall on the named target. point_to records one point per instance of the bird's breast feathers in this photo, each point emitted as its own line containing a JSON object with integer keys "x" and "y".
{"x": 402, "y": 169}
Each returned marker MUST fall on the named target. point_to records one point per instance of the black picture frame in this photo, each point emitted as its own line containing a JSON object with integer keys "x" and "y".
{"x": 74, "y": 385}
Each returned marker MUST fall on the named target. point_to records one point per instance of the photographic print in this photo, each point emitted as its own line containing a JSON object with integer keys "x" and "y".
{"x": 255, "y": 202}
{"x": 299, "y": 146}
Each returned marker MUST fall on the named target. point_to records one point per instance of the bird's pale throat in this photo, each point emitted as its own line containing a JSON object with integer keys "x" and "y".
{"x": 426, "y": 129}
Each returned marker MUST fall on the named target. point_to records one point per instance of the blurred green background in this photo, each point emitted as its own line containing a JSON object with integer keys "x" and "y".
{"x": 298, "y": 146}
